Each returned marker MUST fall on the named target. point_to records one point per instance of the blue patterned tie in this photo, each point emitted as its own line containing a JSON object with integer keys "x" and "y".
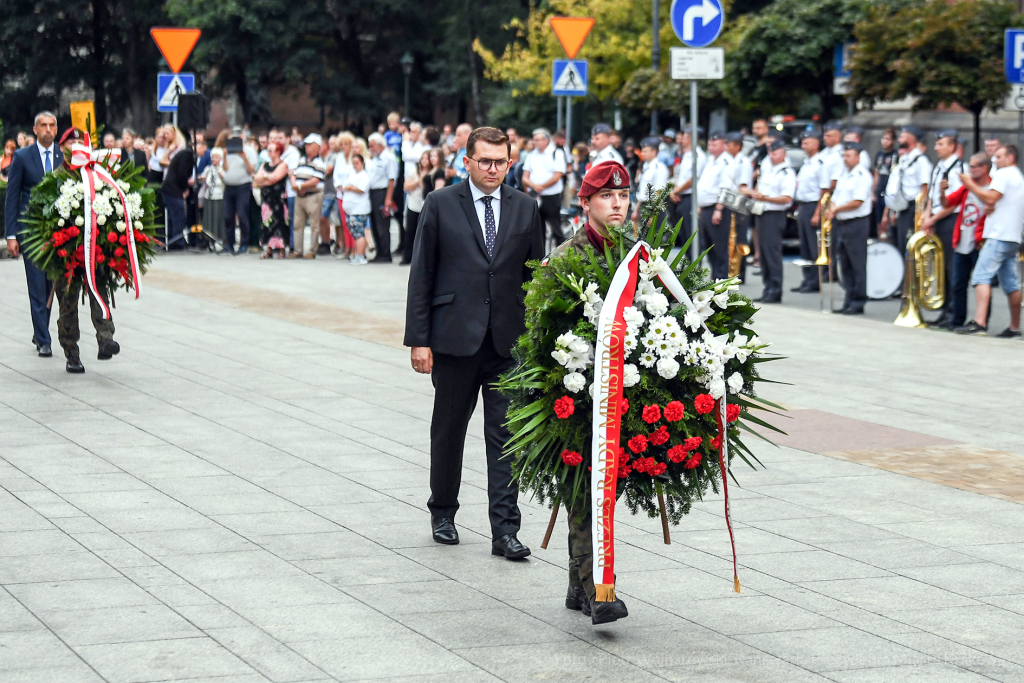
{"x": 47, "y": 167}
{"x": 490, "y": 229}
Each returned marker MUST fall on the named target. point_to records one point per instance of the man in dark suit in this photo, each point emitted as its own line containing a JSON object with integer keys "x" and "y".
{"x": 464, "y": 314}
{"x": 28, "y": 167}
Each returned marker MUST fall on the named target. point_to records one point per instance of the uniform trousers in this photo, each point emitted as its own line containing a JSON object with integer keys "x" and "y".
{"x": 682, "y": 212}
{"x": 581, "y": 551}
{"x": 551, "y": 215}
{"x": 68, "y": 331}
{"x": 38, "y": 292}
{"x": 380, "y": 224}
{"x": 944, "y": 231}
{"x": 903, "y": 229}
{"x": 851, "y": 252}
{"x": 770, "y": 225}
{"x": 458, "y": 381}
{"x": 809, "y": 247}
{"x": 717, "y": 237}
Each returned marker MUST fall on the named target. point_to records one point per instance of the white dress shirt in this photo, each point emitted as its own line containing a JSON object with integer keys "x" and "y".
{"x": 655, "y": 174}
{"x": 42, "y": 156}
{"x": 942, "y": 171}
{"x": 684, "y": 169}
{"x": 808, "y": 180}
{"x": 480, "y": 207}
{"x": 716, "y": 175}
{"x": 382, "y": 168}
{"x": 606, "y": 154}
{"x": 777, "y": 180}
{"x": 910, "y": 172}
{"x": 743, "y": 171}
{"x": 543, "y": 165}
{"x": 851, "y": 185}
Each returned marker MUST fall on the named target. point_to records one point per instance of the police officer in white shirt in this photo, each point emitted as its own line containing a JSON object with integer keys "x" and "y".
{"x": 908, "y": 178}
{"x": 600, "y": 140}
{"x": 832, "y": 155}
{"x": 776, "y": 186}
{"x": 653, "y": 178}
{"x": 682, "y": 181}
{"x": 808, "y": 195}
{"x": 714, "y": 218}
{"x": 854, "y": 134}
{"x": 940, "y": 220}
{"x": 543, "y": 173}
{"x": 851, "y": 223}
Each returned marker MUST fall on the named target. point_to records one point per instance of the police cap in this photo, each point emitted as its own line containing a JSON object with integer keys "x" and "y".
{"x": 652, "y": 141}
{"x": 717, "y": 135}
{"x": 855, "y": 146}
{"x": 776, "y": 144}
{"x": 947, "y": 133}
{"x": 601, "y": 128}
{"x": 833, "y": 125}
{"x": 734, "y": 136}
{"x": 914, "y": 130}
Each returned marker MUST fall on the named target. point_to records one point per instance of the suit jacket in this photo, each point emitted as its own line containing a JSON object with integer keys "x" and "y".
{"x": 455, "y": 291}
{"x": 25, "y": 172}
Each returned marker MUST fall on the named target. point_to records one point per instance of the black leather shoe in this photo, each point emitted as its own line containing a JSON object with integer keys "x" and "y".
{"x": 108, "y": 349}
{"x": 802, "y": 289}
{"x": 444, "y": 530}
{"x": 44, "y": 350}
{"x": 510, "y": 547}
{"x": 605, "y": 612}
{"x": 75, "y": 366}
{"x": 576, "y": 599}
{"x": 852, "y": 311}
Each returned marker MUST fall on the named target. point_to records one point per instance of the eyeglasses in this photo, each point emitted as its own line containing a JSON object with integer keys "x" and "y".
{"x": 488, "y": 164}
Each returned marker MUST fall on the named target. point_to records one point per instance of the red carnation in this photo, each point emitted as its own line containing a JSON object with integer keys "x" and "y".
{"x": 73, "y": 232}
{"x": 638, "y": 444}
{"x": 732, "y": 413}
{"x": 624, "y": 406}
{"x": 123, "y": 240}
{"x": 674, "y": 411}
{"x": 657, "y": 468}
{"x": 100, "y": 258}
{"x": 624, "y": 470}
{"x": 80, "y": 252}
{"x": 571, "y": 458}
{"x": 651, "y": 414}
{"x": 119, "y": 252}
{"x": 112, "y": 237}
{"x": 677, "y": 453}
{"x": 63, "y": 253}
{"x": 692, "y": 443}
{"x": 659, "y": 436}
{"x": 692, "y": 462}
{"x": 716, "y": 443}
{"x": 704, "y": 404}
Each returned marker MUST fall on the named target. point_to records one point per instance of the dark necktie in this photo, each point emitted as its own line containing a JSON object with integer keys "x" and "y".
{"x": 490, "y": 229}
{"x": 47, "y": 167}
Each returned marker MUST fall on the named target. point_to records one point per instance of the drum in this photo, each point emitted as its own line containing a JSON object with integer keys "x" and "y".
{"x": 735, "y": 201}
{"x": 885, "y": 270}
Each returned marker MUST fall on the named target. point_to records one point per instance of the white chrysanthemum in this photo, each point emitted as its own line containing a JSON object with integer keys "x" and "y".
{"x": 629, "y": 343}
{"x": 650, "y": 341}
{"x": 648, "y": 359}
{"x": 630, "y": 375}
{"x": 675, "y": 335}
{"x": 735, "y": 382}
{"x": 633, "y": 316}
{"x": 657, "y": 304}
{"x": 716, "y": 387}
{"x": 668, "y": 368}
{"x": 79, "y": 221}
{"x": 574, "y": 382}
{"x": 658, "y": 326}
{"x": 561, "y": 356}
{"x": 666, "y": 348}
{"x": 102, "y": 206}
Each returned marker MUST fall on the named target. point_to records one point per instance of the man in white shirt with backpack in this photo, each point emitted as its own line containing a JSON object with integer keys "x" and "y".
{"x": 544, "y": 176}
{"x": 908, "y": 178}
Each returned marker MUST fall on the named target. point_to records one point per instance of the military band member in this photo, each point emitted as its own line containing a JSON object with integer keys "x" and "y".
{"x": 714, "y": 218}
{"x": 604, "y": 195}
{"x": 850, "y": 214}
{"x": 600, "y": 140}
{"x": 682, "y": 192}
{"x": 940, "y": 220}
{"x": 743, "y": 180}
{"x": 832, "y": 155}
{"x": 855, "y": 134}
{"x": 775, "y": 187}
{"x": 653, "y": 176}
{"x": 808, "y": 196}
{"x": 909, "y": 177}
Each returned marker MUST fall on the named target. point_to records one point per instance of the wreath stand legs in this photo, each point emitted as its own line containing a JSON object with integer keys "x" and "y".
{"x": 551, "y": 524}
{"x": 664, "y": 517}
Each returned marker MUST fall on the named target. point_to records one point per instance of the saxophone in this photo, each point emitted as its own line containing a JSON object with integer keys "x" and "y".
{"x": 737, "y": 252}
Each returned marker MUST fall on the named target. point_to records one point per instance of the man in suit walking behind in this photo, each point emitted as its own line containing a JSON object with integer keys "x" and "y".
{"x": 464, "y": 313}
{"x": 28, "y": 167}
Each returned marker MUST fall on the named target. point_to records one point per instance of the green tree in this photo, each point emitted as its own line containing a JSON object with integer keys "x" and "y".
{"x": 936, "y": 53}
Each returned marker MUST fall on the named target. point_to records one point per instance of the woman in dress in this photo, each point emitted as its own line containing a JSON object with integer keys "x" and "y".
{"x": 271, "y": 179}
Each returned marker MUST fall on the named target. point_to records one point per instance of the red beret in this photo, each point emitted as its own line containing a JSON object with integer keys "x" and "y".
{"x": 607, "y": 175}
{"x": 73, "y": 134}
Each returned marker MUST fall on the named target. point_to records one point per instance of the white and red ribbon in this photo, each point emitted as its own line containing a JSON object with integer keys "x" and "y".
{"x": 86, "y": 159}
{"x": 609, "y": 358}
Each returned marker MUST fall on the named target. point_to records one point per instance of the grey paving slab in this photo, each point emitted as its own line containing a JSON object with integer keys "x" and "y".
{"x": 237, "y": 498}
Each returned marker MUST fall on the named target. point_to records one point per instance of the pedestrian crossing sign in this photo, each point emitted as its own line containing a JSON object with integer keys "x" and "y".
{"x": 569, "y": 77}
{"x": 169, "y": 86}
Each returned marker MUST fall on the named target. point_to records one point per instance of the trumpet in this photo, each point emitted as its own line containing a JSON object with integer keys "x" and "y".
{"x": 924, "y": 280}
{"x": 825, "y": 254}
{"x": 737, "y": 252}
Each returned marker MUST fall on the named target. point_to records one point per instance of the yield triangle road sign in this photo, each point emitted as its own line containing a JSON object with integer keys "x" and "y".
{"x": 175, "y": 44}
{"x": 571, "y": 32}
{"x": 569, "y": 77}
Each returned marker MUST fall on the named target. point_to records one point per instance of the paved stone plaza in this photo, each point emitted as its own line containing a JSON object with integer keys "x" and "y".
{"x": 240, "y": 496}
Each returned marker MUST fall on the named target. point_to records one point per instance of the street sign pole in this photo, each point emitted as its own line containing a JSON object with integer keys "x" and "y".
{"x": 694, "y": 209}
{"x": 558, "y": 125}
{"x": 568, "y": 123}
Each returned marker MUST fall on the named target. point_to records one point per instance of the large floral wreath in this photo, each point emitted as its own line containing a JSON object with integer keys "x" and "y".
{"x": 679, "y": 361}
{"x": 56, "y": 220}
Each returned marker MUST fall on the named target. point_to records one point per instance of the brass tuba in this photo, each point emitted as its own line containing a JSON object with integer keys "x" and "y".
{"x": 924, "y": 275}
{"x": 824, "y": 259}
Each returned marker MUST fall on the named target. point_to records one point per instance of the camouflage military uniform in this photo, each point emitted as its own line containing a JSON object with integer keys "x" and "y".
{"x": 67, "y": 295}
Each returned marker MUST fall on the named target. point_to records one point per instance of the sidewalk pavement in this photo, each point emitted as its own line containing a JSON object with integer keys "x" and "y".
{"x": 240, "y": 496}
